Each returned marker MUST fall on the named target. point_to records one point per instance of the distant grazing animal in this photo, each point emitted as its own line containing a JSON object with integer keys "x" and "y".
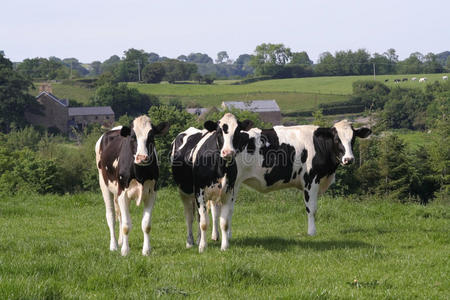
{"x": 128, "y": 169}
{"x": 423, "y": 79}
{"x": 386, "y": 80}
{"x": 445, "y": 77}
{"x": 414, "y": 79}
{"x": 404, "y": 79}
{"x": 396, "y": 80}
{"x": 213, "y": 163}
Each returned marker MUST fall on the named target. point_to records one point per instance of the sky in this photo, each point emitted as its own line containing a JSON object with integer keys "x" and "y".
{"x": 97, "y": 29}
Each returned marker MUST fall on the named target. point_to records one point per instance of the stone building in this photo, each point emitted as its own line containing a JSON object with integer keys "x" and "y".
{"x": 268, "y": 110}
{"x": 56, "y": 113}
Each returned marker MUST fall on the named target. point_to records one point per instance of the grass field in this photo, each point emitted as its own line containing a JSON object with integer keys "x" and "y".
{"x": 57, "y": 247}
{"x": 296, "y": 94}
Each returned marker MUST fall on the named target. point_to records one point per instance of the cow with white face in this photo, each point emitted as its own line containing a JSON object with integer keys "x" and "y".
{"x": 128, "y": 169}
{"x": 204, "y": 168}
{"x": 303, "y": 157}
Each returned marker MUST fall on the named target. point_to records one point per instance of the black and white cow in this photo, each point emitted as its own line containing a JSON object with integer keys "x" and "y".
{"x": 303, "y": 157}
{"x": 204, "y": 168}
{"x": 128, "y": 169}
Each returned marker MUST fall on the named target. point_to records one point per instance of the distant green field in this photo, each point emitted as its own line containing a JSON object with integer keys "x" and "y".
{"x": 296, "y": 94}
{"x": 66, "y": 91}
{"x": 414, "y": 139}
{"x": 57, "y": 247}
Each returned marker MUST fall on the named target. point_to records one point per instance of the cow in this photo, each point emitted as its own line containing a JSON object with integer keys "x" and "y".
{"x": 204, "y": 169}
{"x": 404, "y": 79}
{"x": 414, "y": 79}
{"x": 445, "y": 77}
{"x": 128, "y": 170}
{"x": 423, "y": 79}
{"x": 397, "y": 80}
{"x": 303, "y": 157}
{"x": 386, "y": 80}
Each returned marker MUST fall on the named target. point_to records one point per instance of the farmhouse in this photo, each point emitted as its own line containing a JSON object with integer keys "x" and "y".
{"x": 268, "y": 110}
{"x": 56, "y": 113}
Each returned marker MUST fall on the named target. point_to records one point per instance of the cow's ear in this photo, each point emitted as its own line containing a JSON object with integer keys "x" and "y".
{"x": 125, "y": 131}
{"x": 246, "y": 125}
{"x": 161, "y": 128}
{"x": 210, "y": 125}
{"x": 362, "y": 132}
{"x": 324, "y": 132}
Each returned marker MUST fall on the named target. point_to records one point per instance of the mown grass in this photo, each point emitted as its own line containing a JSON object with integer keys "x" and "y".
{"x": 57, "y": 247}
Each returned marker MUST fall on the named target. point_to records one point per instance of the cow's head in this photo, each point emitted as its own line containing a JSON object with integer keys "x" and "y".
{"x": 343, "y": 137}
{"x": 141, "y": 138}
{"x": 228, "y": 134}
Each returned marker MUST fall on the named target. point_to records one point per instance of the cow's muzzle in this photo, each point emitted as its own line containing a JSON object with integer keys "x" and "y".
{"x": 348, "y": 160}
{"x": 142, "y": 160}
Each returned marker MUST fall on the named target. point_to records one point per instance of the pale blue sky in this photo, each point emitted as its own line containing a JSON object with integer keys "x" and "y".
{"x": 96, "y": 29}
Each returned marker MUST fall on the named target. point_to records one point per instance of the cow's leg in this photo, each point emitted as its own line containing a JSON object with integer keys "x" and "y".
{"x": 230, "y": 215}
{"x": 124, "y": 204}
{"x": 149, "y": 201}
{"x": 215, "y": 213}
{"x": 225, "y": 217}
{"x": 109, "y": 205}
{"x": 203, "y": 222}
{"x": 188, "y": 202}
{"x": 311, "y": 196}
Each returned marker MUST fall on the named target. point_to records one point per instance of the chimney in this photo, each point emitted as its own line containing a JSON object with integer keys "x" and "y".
{"x": 46, "y": 87}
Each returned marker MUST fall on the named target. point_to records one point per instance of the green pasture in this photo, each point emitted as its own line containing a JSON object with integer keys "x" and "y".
{"x": 295, "y": 94}
{"x": 54, "y": 247}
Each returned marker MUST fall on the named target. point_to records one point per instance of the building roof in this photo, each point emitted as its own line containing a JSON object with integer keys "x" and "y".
{"x": 255, "y": 105}
{"x": 92, "y": 110}
{"x": 63, "y": 102}
{"x": 197, "y": 111}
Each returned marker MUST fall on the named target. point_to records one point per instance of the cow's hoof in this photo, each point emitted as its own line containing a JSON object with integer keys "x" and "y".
{"x": 201, "y": 248}
{"x": 113, "y": 247}
{"x": 312, "y": 233}
{"x": 146, "y": 252}
{"x": 125, "y": 251}
{"x": 189, "y": 245}
{"x": 215, "y": 237}
{"x": 224, "y": 248}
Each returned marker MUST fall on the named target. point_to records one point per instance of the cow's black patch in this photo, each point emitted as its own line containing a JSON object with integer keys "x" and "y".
{"x": 300, "y": 170}
{"x": 304, "y": 155}
{"x": 307, "y": 209}
{"x": 209, "y": 167}
{"x": 225, "y": 128}
{"x": 278, "y": 157}
{"x": 328, "y": 150}
{"x": 181, "y": 164}
{"x": 251, "y": 146}
{"x": 306, "y": 196}
{"x": 294, "y": 176}
{"x": 114, "y": 146}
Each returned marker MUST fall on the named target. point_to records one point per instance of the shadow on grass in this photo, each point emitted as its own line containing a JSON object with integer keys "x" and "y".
{"x": 283, "y": 244}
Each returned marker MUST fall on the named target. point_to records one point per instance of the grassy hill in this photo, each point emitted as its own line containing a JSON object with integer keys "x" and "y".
{"x": 296, "y": 94}
{"x": 58, "y": 247}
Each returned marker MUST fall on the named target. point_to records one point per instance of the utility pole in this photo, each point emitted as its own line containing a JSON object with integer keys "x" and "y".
{"x": 139, "y": 69}
{"x": 374, "y": 75}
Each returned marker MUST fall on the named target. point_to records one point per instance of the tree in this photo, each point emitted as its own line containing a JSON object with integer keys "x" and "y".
{"x": 412, "y": 65}
{"x": 301, "y": 58}
{"x": 179, "y": 121}
{"x": 153, "y": 73}
{"x": 393, "y": 60}
{"x": 269, "y": 59}
{"x": 431, "y": 64}
{"x": 199, "y": 58}
{"x": 326, "y": 65}
{"x": 14, "y": 96}
{"x": 222, "y": 57}
{"x": 177, "y": 70}
{"x": 394, "y": 169}
{"x": 123, "y": 100}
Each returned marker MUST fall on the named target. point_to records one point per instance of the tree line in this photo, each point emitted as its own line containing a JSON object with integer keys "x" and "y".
{"x": 273, "y": 60}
